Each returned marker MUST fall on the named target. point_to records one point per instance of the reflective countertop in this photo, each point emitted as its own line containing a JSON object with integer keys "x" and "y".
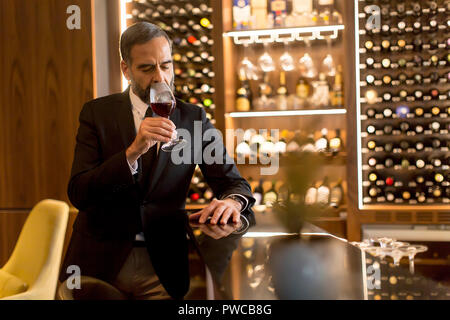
{"x": 267, "y": 263}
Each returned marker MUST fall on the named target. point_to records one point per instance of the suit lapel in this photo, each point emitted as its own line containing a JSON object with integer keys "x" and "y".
{"x": 125, "y": 120}
{"x": 163, "y": 157}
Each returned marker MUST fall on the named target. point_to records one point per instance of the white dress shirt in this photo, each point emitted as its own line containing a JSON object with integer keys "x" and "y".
{"x": 139, "y": 108}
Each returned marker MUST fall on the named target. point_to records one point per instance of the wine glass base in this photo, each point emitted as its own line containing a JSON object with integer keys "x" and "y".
{"x": 174, "y": 145}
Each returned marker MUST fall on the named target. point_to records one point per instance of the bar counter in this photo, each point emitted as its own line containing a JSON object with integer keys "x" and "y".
{"x": 267, "y": 263}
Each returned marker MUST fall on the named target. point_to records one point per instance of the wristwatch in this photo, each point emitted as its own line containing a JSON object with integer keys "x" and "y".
{"x": 237, "y": 199}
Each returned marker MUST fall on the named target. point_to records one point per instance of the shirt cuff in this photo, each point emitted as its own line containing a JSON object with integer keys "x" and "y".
{"x": 244, "y": 199}
{"x": 133, "y": 168}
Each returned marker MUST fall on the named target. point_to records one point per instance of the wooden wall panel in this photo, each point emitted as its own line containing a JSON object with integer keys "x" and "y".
{"x": 46, "y": 77}
{"x": 11, "y": 223}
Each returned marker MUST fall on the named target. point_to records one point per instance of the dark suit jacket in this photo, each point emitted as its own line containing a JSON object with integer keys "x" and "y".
{"x": 113, "y": 207}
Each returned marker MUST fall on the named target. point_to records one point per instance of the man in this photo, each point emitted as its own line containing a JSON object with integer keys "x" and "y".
{"x": 130, "y": 230}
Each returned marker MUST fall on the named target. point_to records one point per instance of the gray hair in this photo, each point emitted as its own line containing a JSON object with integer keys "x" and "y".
{"x": 139, "y": 33}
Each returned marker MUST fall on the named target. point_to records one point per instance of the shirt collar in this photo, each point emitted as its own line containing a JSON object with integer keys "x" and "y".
{"x": 138, "y": 104}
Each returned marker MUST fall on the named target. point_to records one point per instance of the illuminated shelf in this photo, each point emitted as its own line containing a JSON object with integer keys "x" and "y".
{"x": 285, "y": 113}
{"x": 284, "y": 34}
{"x": 340, "y": 158}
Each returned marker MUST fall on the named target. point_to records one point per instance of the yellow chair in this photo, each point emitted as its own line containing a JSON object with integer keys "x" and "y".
{"x": 31, "y": 272}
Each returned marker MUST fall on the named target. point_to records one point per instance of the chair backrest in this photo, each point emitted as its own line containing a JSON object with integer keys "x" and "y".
{"x": 36, "y": 257}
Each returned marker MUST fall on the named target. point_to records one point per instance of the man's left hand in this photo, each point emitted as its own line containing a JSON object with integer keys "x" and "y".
{"x": 220, "y": 211}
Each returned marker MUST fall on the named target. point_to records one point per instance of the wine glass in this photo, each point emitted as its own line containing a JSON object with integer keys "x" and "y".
{"x": 306, "y": 66}
{"x": 162, "y": 102}
{"x": 328, "y": 66}
{"x": 411, "y": 250}
{"x": 247, "y": 67}
{"x": 265, "y": 61}
{"x": 286, "y": 60}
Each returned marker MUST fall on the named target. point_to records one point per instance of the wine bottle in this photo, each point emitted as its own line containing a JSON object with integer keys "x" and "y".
{"x": 282, "y": 93}
{"x": 420, "y": 163}
{"x": 388, "y": 163}
{"x": 389, "y": 194}
{"x": 385, "y": 44}
{"x": 371, "y": 113}
{"x": 369, "y": 45}
{"x": 370, "y": 79}
{"x": 373, "y": 191}
{"x": 322, "y": 143}
{"x": 387, "y": 113}
{"x": 323, "y": 193}
{"x": 311, "y": 195}
{"x": 241, "y": 14}
{"x": 271, "y": 196}
{"x": 337, "y": 98}
{"x": 336, "y": 143}
{"x": 435, "y": 111}
{"x": 388, "y": 147}
{"x": 370, "y": 62}
{"x": 420, "y": 146}
{"x": 303, "y": 89}
{"x": 406, "y": 195}
{"x": 436, "y": 143}
{"x": 401, "y": 9}
{"x": 435, "y": 126}
{"x": 337, "y": 194}
{"x": 387, "y": 129}
{"x": 243, "y": 94}
{"x": 420, "y": 197}
{"x": 436, "y": 162}
{"x": 278, "y": 9}
{"x": 419, "y": 112}
{"x": 372, "y": 162}
{"x": 417, "y": 9}
{"x": 435, "y": 191}
{"x": 258, "y": 193}
{"x": 404, "y": 126}
{"x": 265, "y": 92}
{"x": 417, "y": 27}
{"x": 387, "y": 79}
{"x": 370, "y": 129}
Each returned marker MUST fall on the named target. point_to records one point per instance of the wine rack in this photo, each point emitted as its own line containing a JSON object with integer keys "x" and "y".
{"x": 189, "y": 24}
{"x": 402, "y": 93}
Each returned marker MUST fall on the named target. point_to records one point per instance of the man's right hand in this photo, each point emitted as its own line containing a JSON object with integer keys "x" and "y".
{"x": 152, "y": 130}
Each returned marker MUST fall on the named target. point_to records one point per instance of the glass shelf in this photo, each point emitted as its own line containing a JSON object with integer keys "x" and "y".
{"x": 284, "y": 113}
{"x": 284, "y": 34}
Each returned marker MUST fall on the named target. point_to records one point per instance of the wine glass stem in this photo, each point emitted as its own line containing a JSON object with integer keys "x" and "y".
{"x": 411, "y": 264}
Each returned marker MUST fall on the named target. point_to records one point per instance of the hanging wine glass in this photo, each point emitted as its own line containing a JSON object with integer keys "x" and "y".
{"x": 328, "y": 66}
{"x": 247, "y": 67}
{"x": 286, "y": 60}
{"x": 265, "y": 61}
{"x": 307, "y": 67}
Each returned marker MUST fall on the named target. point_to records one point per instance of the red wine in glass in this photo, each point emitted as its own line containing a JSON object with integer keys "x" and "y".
{"x": 163, "y": 103}
{"x": 163, "y": 109}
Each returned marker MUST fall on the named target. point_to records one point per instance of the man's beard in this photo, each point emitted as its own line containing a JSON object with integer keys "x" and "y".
{"x": 144, "y": 94}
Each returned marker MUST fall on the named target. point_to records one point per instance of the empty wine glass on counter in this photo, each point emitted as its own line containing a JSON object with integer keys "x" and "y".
{"x": 411, "y": 250}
